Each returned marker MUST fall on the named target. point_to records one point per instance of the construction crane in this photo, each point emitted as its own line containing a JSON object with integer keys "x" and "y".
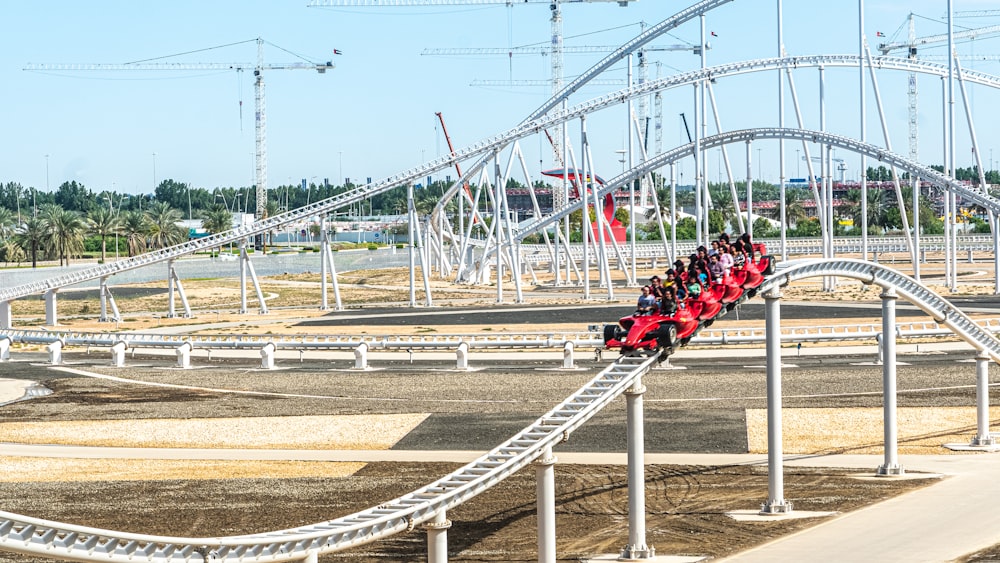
{"x": 554, "y": 5}
{"x": 976, "y": 13}
{"x": 260, "y": 137}
{"x": 910, "y": 47}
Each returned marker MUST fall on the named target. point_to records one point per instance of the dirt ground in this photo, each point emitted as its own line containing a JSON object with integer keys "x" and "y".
{"x": 686, "y": 505}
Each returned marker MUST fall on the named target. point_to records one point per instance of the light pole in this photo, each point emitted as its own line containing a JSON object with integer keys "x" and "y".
{"x": 340, "y": 155}
{"x": 797, "y": 161}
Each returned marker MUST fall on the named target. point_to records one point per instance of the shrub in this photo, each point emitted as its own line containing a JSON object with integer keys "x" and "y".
{"x": 372, "y": 246}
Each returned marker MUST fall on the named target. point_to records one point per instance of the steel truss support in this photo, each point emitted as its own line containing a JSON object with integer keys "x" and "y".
{"x": 107, "y": 299}
{"x": 776, "y": 503}
{"x": 174, "y": 282}
{"x": 636, "y": 548}
{"x": 982, "y": 173}
{"x": 890, "y": 465}
{"x": 246, "y": 267}
{"x": 888, "y": 146}
{"x": 327, "y": 266}
{"x": 725, "y": 158}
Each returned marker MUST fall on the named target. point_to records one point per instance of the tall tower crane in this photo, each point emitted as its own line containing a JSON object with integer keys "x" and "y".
{"x": 910, "y": 47}
{"x": 260, "y": 132}
{"x": 556, "y": 19}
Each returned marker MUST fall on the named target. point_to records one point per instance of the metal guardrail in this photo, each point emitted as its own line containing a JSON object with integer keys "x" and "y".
{"x": 523, "y": 341}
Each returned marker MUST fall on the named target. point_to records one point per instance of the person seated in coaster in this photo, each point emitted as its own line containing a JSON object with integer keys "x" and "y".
{"x": 668, "y": 304}
{"x": 646, "y": 304}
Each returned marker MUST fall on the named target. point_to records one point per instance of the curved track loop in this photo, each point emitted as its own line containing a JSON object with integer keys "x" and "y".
{"x": 942, "y": 311}
{"x": 502, "y": 140}
{"x": 838, "y": 141}
{"x": 78, "y": 543}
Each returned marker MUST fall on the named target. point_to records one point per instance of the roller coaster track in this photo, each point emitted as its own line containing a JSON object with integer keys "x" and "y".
{"x": 536, "y": 125}
{"x": 49, "y": 539}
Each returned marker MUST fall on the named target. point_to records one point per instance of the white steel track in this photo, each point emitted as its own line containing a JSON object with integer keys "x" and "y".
{"x": 529, "y": 128}
{"x": 56, "y": 540}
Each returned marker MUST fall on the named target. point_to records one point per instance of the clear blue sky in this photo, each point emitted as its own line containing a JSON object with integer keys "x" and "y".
{"x": 374, "y": 114}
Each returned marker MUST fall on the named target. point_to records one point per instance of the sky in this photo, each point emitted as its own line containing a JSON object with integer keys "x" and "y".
{"x": 374, "y": 114}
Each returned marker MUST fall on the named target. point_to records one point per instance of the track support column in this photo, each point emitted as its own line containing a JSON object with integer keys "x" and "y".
{"x": 545, "y": 493}
{"x": 118, "y": 350}
{"x": 636, "y": 548}
{"x": 776, "y": 503}
{"x": 437, "y": 538}
{"x": 6, "y": 320}
{"x": 267, "y": 356}
{"x": 104, "y": 300}
{"x": 983, "y": 437}
{"x": 568, "y": 358}
{"x": 4, "y": 349}
{"x": 361, "y": 356}
{"x": 890, "y": 465}
{"x": 51, "y": 302}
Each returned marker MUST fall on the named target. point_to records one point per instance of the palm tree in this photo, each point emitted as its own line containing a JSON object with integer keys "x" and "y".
{"x": 7, "y": 223}
{"x": 163, "y": 228}
{"x": 135, "y": 228}
{"x": 218, "y": 219}
{"x": 64, "y": 231}
{"x": 29, "y": 237}
{"x": 794, "y": 210}
{"x": 103, "y": 223}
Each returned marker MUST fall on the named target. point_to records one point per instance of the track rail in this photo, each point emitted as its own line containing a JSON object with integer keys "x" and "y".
{"x": 39, "y": 537}
{"x": 533, "y": 127}
{"x": 78, "y": 543}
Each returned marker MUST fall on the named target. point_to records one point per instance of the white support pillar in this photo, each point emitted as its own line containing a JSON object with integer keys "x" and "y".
{"x": 324, "y": 246}
{"x": 118, "y": 350}
{"x": 361, "y": 356}
{"x": 55, "y": 352}
{"x": 171, "y": 312}
{"x": 636, "y": 548}
{"x": 104, "y": 300}
{"x": 568, "y": 360}
{"x": 437, "y": 538}
{"x": 6, "y": 320}
{"x": 890, "y": 465}
{"x": 545, "y": 495}
{"x": 244, "y": 258}
{"x": 776, "y": 503}
{"x": 184, "y": 355}
{"x": 462, "y": 356}
{"x": 267, "y": 356}
{"x": 51, "y": 302}
{"x": 311, "y": 558}
{"x": 983, "y": 437}
{"x": 4, "y": 349}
